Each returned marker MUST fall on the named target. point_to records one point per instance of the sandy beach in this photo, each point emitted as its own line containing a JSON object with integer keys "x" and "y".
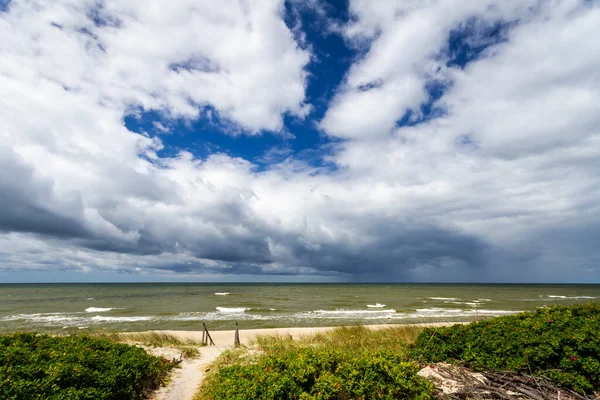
{"x": 225, "y": 338}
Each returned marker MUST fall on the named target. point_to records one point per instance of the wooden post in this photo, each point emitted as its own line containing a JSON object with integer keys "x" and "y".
{"x": 208, "y": 334}
{"x": 204, "y": 337}
{"x": 236, "y": 339}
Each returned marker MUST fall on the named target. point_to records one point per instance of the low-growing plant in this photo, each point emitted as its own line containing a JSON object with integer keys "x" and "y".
{"x": 189, "y": 348}
{"x": 36, "y": 366}
{"x": 319, "y": 373}
{"x": 561, "y": 343}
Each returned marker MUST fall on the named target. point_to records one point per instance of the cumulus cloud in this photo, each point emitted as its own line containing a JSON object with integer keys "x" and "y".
{"x": 405, "y": 41}
{"x": 510, "y": 157}
{"x": 500, "y": 183}
{"x": 239, "y": 57}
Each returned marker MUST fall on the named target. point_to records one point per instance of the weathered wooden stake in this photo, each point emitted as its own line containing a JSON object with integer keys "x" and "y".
{"x": 208, "y": 334}
{"x": 236, "y": 339}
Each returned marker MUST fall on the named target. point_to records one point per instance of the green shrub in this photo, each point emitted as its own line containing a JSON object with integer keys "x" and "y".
{"x": 320, "y": 373}
{"x": 34, "y": 366}
{"x": 561, "y": 343}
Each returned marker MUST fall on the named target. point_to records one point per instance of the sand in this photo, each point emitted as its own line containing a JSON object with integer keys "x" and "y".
{"x": 186, "y": 380}
{"x": 225, "y": 338}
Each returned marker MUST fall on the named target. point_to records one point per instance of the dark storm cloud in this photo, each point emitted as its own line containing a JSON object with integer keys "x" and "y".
{"x": 237, "y": 239}
{"x": 392, "y": 249}
{"x": 28, "y": 203}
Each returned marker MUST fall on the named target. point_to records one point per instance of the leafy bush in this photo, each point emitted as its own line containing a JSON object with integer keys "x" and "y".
{"x": 34, "y": 366}
{"x": 561, "y": 343}
{"x": 319, "y": 373}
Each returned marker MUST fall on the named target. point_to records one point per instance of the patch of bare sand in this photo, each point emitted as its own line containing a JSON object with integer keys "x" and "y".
{"x": 185, "y": 380}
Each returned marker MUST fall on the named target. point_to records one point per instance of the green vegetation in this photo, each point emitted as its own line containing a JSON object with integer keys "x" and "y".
{"x": 320, "y": 373}
{"x": 561, "y": 343}
{"x": 35, "y": 366}
{"x": 345, "y": 363}
{"x": 188, "y": 348}
{"x": 346, "y": 339}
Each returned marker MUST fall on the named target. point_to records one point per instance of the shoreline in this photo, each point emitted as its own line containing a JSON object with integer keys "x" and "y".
{"x": 226, "y": 337}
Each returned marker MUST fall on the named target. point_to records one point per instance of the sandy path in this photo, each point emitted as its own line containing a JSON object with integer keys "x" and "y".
{"x": 186, "y": 380}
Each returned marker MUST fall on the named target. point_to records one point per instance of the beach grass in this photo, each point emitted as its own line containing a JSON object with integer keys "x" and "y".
{"x": 347, "y": 339}
{"x": 188, "y": 348}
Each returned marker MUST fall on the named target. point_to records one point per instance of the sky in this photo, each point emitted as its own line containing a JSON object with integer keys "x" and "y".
{"x": 300, "y": 140}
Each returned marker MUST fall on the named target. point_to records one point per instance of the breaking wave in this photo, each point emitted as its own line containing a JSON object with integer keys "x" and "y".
{"x": 232, "y": 310}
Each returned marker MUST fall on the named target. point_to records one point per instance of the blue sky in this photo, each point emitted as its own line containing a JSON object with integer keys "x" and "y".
{"x": 299, "y": 141}
{"x": 301, "y": 137}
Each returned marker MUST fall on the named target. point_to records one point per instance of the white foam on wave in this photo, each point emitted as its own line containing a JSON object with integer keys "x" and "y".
{"x": 443, "y": 298}
{"x": 99, "y": 309}
{"x": 342, "y": 314}
{"x": 221, "y": 316}
{"x": 568, "y": 297}
{"x": 378, "y": 305}
{"x": 465, "y": 303}
{"x": 232, "y": 310}
{"x": 222, "y": 293}
{"x": 438, "y": 312}
{"x": 421, "y": 313}
{"x": 351, "y": 311}
{"x": 120, "y": 319}
{"x": 41, "y": 317}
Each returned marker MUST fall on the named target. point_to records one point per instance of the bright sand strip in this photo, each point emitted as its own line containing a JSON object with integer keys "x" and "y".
{"x": 225, "y": 338}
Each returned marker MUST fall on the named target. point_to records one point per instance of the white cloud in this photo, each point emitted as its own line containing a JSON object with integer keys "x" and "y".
{"x": 512, "y": 159}
{"x": 240, "y": 58}
{"x": 494, "y": 189}
{"x": 406, "y": 39}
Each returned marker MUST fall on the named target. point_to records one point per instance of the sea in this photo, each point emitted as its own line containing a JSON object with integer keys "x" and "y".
{"x": 186, "y": 306}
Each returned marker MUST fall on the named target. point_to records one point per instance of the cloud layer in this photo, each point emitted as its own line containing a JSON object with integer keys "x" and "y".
{"x": 466, "y": 138}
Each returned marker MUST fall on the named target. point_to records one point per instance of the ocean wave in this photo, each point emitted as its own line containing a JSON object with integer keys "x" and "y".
{"x": 99, "y": 309}
{"x": 378, "y": 305}
{"x": 222, "y": 293}
{"x": 340, "y": 314}
{"x": 419, "y": 314}
{"x": 553, "y": 296}
{"x": 220, "y": 316}
{"x": 438, "y": 312}
{"x": 121, "y": 319}
{"x": 351, "y": 311}
{"x": 41, "y": 317}
{"x": 232, "y": 310}
{"x": 443, "y": 298}
{"x": 466, "y": 303}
